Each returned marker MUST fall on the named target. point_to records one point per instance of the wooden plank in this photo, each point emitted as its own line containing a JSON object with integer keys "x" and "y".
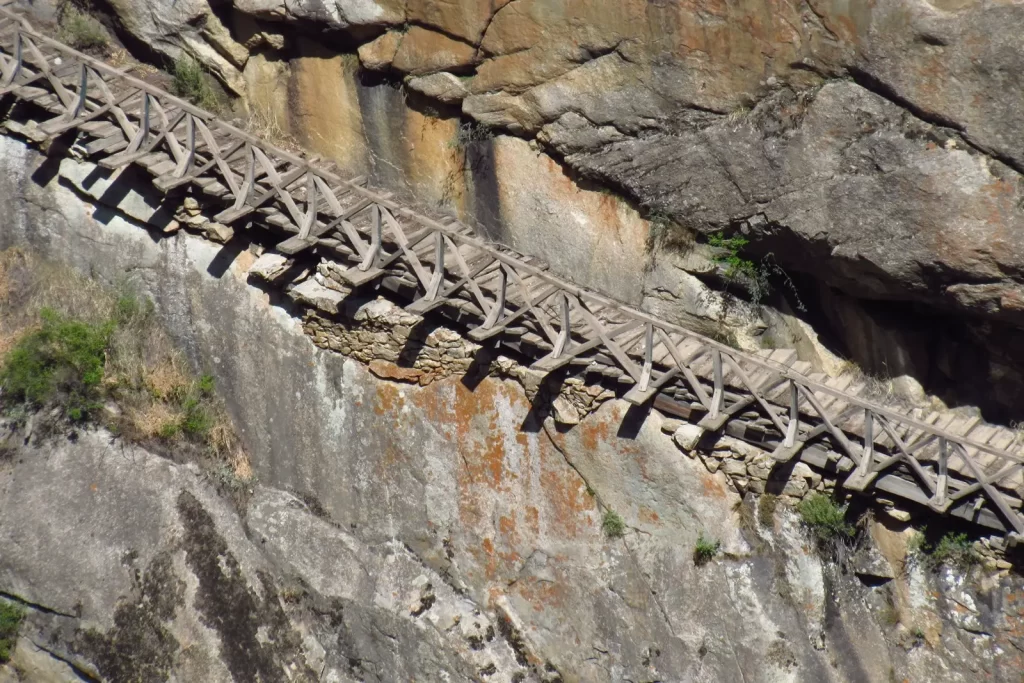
{"x": 551, "y": 363}
{"x": 294, "y": 245}
{"x": 479, "y": 334}
{"x": 639, "y": 397}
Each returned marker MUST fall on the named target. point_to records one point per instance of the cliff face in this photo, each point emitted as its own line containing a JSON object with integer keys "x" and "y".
{"x": 868, "y": 151}
{"x": 430, "y": 530}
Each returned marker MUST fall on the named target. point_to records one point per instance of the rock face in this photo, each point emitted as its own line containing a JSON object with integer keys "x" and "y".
{"x": 440, "y": 532}
{"x": 870, "y": 149}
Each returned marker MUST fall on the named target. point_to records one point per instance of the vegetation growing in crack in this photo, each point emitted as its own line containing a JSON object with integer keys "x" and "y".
{"x": 193, "y": 83}
{"x": 613, "y": 525}
{"x": 666, "y": 233}
{"x": 79, "y": 30}
{"x": 826, "y": 519}
{"x": 705, "y": 549}
{"x": 11, "y": 616}
{"x": 766, "y": 507}
{"x": 952, "y": 549}
{"x": 754, "y": 277}
{"x": 80, "y": 353}
{"x": 470, "y": 132}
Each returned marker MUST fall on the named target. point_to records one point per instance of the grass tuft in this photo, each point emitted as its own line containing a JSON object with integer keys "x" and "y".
{"x": 613, "y": 525}
{"x": 81, "y": 31}
{"x": 953, "y": 549}
{"x": 193, "y": 83}
{"x": 705, "y": 550}
{"x": 825, "y": 518}
{"x": 60, "y": 362}
{"x": 11, "y": 616}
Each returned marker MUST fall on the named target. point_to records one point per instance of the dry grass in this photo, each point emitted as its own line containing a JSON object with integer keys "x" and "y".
{"x": 263, "y": 123}
{"x": 167, "y": 377}
{"x": 159, "y": 400}
{"x": 877, "y": 388}
{"x": 153, "y": 420}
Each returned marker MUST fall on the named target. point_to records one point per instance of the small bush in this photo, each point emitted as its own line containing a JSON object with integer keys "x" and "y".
{"x": 826, "y": 519}
{"x": 192, "y": 83}
{"x": 953, "y": 550}
{"x": 11, "y": 616}
{"x": 62, "y": 362}
{"x": 728, "y": 256}
{"x": 81, "y": 31}
{"x": 705, "y": 550}
{"x": 613, "y": 525}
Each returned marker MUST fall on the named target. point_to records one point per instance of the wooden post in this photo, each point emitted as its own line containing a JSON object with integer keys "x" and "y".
{"x": 498, "y": 307}
{"x": 309, "y": 219}
{"x": 249, "y": 181}
{"x": 189, "y": 160}
{"x": 438, "y": 275}
{"x": 144, "y": 124}
{"x": 562, "y": 341}
{"x": 718, "y": 397}
{"x": 16, "y": 62}
{"x": 794, "y": 416}
{"x": 83, "y": 90}
{"x": 943, "y": 479}
{"x": 868, "y": 454}
{"x": 645, "y": 372}
{"x": 376, "y": 238}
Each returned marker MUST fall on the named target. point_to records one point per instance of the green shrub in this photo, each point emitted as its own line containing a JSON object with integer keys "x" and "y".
{"x": 192, "y": 83}
{"x": 130, "y": 310}
{"x": 81, "y": 31}
{"x": 11, "y": 616}
{"x": 826, "y": 519}
{"x": 206, "y": 385}
{"x": 198, "y": 421}
{"x": 728, "y": 256}
{"x": 613, "y": 525}
{"x": 705, "y": 550}
{"x": 953, "y": 550}
{"x": 62, "y": 362}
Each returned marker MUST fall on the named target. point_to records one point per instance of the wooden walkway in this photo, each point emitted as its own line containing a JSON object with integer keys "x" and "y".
{"x": 949, "y": 463}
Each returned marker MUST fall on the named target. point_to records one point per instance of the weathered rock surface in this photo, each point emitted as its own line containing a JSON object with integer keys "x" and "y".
{"x": 867, "y": 147}
{"x": 405, "y": 532}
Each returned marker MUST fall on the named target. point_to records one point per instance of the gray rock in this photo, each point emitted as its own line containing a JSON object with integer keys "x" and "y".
{"x": 270, "y": 266}
{"x": 869, "y": 562}
{"x": 565, "y": 412}
{"x": 140, "y": 202}
{"x": 335, "y": 14}
{"x": 429, "y": 514}
{"x": 314, "y": 294}
{"x": 441, "y": 86}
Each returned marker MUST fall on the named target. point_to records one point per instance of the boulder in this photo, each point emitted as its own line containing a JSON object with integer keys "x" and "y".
{"x": 333, "y": 14}
{"x": 314, "y": 294}
{"x": 687, "y": 436}
{"x": 441, "y": 86}
{"x": 378, "y": 54}
{"x": 422, "y": 51}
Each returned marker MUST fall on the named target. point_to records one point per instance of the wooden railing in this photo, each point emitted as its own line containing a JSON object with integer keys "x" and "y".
{"x": 947, "y": 461}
